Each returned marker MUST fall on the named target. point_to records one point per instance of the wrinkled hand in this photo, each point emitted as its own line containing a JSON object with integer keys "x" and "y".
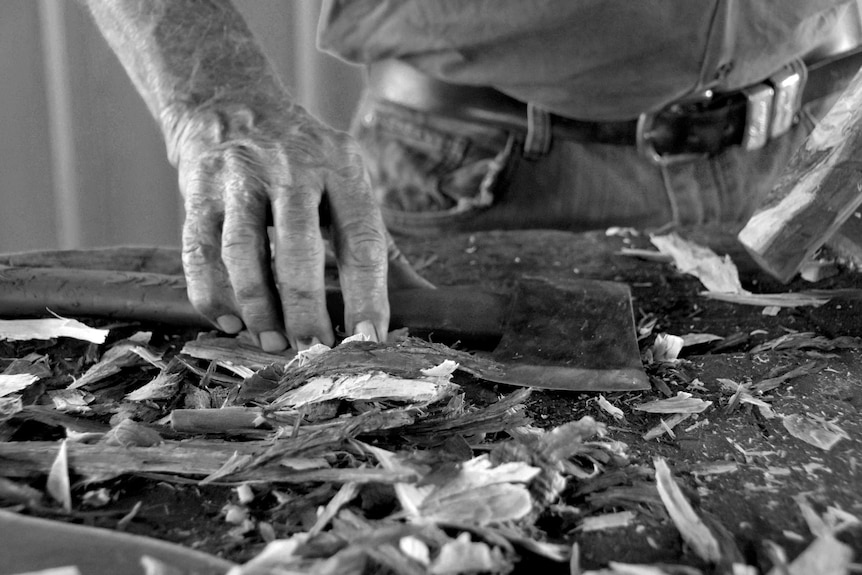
{"x": 239, "y": 170}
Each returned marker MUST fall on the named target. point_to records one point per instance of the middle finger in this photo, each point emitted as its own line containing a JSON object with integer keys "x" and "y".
{"x": 245, "y": 252}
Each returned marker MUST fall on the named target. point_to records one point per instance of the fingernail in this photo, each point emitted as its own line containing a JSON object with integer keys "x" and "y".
{"x": 366, "y": 328}
{"x": 229, "y": 323}
{"x": 272, "y": 341}
{"x": 303, "y": 343}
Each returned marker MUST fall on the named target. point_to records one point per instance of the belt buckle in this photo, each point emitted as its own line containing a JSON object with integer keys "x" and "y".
{"x": 771, "y": 110}
{"x": 646, "y": 123}
{"x": 788, "y": 84}
{"x": 772, "y": 106}
{"x": 758, "y": 116}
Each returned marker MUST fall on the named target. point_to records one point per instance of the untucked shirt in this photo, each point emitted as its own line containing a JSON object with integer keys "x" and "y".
{"x": 587, "y": 59}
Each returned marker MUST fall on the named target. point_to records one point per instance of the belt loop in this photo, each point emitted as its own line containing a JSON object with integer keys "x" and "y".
{"x": 538, "y": 140}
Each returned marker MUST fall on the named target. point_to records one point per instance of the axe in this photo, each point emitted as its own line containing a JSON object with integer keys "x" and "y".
{"x": 575, "y": 335}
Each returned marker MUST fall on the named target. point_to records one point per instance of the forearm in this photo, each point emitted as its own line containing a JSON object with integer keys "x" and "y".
{"x": 188, "y": 56}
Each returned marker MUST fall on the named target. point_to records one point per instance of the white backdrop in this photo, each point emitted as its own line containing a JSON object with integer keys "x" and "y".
{"x": 81, "y": 161}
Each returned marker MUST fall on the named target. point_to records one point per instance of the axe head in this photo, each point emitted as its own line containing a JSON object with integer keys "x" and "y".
{"x": 577, "y": 335}
{"x": 574, "y": 335}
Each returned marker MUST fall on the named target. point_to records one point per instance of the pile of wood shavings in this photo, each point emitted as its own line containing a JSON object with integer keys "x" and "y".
{"x": 464, "y": 482}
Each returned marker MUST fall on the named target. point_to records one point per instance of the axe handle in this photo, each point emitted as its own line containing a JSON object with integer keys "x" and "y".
{"x": 819, "y": 190}
{"x": 448, "y": 312}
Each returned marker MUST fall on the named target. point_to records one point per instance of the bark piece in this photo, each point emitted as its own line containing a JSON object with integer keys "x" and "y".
{"x": 113, "y": 294}
{"x": 49, "y": 328}
{"x": 221, "y": 420}
{"x": 234, "y": 352}
{"x": 373, "y": 386}
{"x": 157, "y": 260}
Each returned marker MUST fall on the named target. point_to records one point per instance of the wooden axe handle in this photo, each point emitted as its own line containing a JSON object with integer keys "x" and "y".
{"x": 820, "y": 188}
{"x": 466, "y": 312}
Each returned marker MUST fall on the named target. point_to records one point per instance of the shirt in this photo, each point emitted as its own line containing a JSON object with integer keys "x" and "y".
{"x": 585, "y": 59}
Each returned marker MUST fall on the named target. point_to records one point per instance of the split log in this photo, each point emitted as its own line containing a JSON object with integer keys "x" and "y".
{"x": 27, "y": 458}
{"x": 196, "y": 459}
{"x": 819, "y": 191}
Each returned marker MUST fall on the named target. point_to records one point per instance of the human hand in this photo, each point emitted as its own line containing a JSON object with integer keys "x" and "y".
{"x": 240, "y": 168}
{"x": 246, "y": 155}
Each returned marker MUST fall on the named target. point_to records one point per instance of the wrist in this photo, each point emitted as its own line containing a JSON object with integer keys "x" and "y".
{"x": 243, "y": 117}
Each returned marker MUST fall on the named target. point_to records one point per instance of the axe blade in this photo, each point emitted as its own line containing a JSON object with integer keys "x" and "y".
{"x": 573, "y": 335}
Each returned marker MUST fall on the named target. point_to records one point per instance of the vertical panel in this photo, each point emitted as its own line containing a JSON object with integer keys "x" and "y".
{"x": 57, "y": 74}
{"x": 26, "y": 209}
{"x": 332, "y": 88}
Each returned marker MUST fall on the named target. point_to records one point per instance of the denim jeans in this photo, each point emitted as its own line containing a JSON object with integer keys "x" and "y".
{"x": 434, "y": 175}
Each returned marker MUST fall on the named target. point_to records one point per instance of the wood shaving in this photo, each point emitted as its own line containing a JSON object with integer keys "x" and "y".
{"x": 49, "y": 328}
{"x": 815, "y": 431}
{"x": 691, "y": 527}
{"x": 715, "y": 273}
{"x": 683, "y": 402}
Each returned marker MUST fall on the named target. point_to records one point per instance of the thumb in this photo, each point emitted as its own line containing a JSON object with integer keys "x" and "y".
{"x": 401, "y": 273}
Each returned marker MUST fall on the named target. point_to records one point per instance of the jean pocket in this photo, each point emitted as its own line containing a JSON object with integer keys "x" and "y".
{"x": 426, "y": 169}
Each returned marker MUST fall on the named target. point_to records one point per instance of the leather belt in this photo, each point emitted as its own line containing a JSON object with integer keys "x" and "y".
{"x": 699, "y": 126}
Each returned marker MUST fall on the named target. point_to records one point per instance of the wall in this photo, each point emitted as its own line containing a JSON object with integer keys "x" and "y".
{"x": 82, "y": 163}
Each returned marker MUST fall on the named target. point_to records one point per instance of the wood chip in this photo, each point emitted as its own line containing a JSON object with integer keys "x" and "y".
{"x": 121, "y": 355}
{"x": 58, "y": 485}
{"x": 130, "y": 433}
{"x": 466, "y": 556}
{"x": 477, "y": 493}
{"x": 715, "y": 273}
{"x": 607, "y": 521}
{"x": 825, "y": 556}
{"x": 715, "y": 468}
{"x": 666, "y": 347}
{"x": 367, "y": 387}
{"x": 691, "y": 339}
{"x": 235, "y": 351}
{"x": 10, "y": 384}
{"x": 71, "y": 400}
{"x": 610, "y": 409}
{"x": 683, "y": 402}
{"x": 771, "y": 299}
{"x": 164, "y": 386}
{"x": 666, "y": 426}
{"x": 815, "y": 431}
